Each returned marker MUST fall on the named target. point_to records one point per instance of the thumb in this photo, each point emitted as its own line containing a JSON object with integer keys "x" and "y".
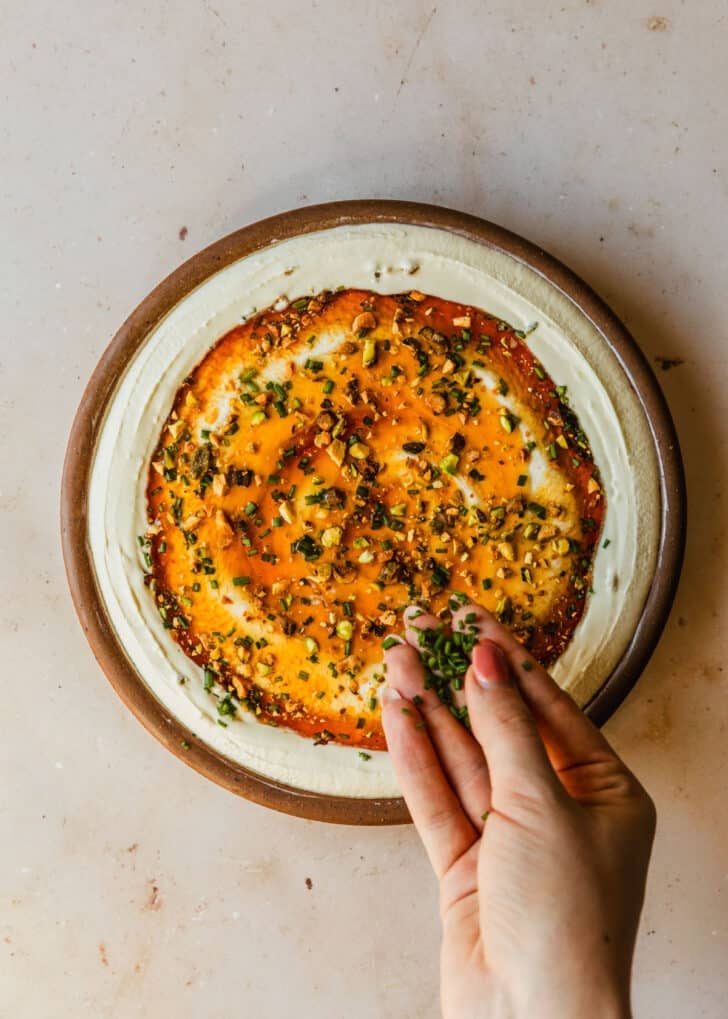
{"x": 505, "y": 728}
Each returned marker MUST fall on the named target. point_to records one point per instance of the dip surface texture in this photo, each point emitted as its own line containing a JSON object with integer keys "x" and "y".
{"x": 328, "y": 464}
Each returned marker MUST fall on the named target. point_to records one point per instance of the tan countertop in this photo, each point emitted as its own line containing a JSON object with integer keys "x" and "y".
{"x": 134, "y": 134}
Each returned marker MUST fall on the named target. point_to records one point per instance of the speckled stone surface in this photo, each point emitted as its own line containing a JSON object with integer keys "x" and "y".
{"x": 132, "y": 135}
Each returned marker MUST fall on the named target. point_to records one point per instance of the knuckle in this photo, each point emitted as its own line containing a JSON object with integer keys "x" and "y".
{"x": 439, "y": 817}
{"x": 556, "y": 699}
{"x": 529, "y": 798}
{"x": 432, "y": 707}
{"x": 626, "y": 785}
{"x": 510, "y": 714}
{"x": 472, "y": 775}
{"x": 647, "y": 806}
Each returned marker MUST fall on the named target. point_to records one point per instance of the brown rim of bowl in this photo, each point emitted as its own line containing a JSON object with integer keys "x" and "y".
{"x": 90, "y": 415}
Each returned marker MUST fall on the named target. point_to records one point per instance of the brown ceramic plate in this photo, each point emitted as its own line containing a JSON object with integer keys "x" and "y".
{"x": 636, "y": 378}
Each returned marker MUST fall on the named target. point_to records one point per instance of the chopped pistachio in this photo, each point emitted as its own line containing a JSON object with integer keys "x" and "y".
{"x": 365, "y": 320}
{"x": 359, "y": 450}
{"x": 504, "y": 610}
{"x": 506, "y": 550}
{"x": 331, "y": 537}
{"x": 286, "y": 511}
{"x": 369, "y": 352}
{"x": 345, "y": 629}
{"x": 337, "y": 452}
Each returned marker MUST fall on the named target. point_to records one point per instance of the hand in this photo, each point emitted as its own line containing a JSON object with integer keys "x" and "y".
{"x": 538, "y": 834}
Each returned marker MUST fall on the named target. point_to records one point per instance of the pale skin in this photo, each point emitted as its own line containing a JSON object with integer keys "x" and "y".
{"x": 540, "y": 899}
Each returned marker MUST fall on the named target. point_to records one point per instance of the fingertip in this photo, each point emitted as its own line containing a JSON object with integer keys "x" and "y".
{"x": 412, "y": 612}
{"x": 470, "y": 613}
{"x": 403, "y": 669}
{"x": 400, "y": 653}
{"x": 415, "y": 622}
{"x": 390, "y": 641}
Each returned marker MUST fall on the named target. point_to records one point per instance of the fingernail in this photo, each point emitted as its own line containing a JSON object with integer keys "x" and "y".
{"x": 490, "y": 666}
{"x": 389, "y": 695}
{"x": 413, "y": 611}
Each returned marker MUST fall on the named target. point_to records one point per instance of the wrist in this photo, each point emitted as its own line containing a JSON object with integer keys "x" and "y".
{"x": 569, "y": 1001}
{"x": 611, "y": 1004}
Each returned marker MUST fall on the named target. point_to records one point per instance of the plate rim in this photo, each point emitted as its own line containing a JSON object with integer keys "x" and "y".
{"x": 90, "y": 415}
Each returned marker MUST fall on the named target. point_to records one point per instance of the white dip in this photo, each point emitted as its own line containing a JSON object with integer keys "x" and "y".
{"x": 450, "y": 267}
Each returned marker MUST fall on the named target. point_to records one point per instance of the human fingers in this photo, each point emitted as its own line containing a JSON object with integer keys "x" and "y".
{"x": 506, "y": 730}
{"x": 417, "y": 623}
{"x": 571, "y": 738}
{"x": 415, "y": 620}
{"x": 459, "y": 752}
{"x": 436, "y": 811}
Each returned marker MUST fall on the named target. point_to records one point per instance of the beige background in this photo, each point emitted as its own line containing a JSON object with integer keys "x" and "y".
{"x": 132, "y": 134}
